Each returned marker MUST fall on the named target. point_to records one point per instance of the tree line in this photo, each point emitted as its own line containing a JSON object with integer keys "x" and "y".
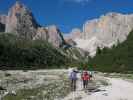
{"x": 117, "y": 59}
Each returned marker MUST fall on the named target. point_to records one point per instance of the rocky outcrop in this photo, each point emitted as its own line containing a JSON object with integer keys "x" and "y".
{"x": 89, "y": 45}
{"x": 70, "y": 41}
{"x": 106, "y": 31}
{"x": 21, "y": 21}
{"x": 51, "y": 34}
{"x": 54, "y": 36}
{"x": 41, "y": 34}
{"x": 3, "y": 19}
{"x": 76, "y": 33}
{"x": 109, "y": 28}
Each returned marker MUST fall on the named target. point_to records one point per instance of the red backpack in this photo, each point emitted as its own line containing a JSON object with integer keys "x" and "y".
{"x": 85, "y": 76}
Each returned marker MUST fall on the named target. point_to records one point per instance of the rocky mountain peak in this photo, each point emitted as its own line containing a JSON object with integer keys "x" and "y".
{"x": 76, "y": 33}
{"x": 21, "y": 21}
{"x": 107, "y": 30}
{"x": 18, "y": 6}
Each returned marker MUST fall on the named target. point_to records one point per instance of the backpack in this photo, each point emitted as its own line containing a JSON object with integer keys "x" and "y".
{"x": 85, "y": 76}
{"x": 73, "y": 75}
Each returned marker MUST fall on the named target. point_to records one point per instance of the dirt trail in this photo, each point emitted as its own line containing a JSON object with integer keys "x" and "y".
{"x": 118, "y": 89}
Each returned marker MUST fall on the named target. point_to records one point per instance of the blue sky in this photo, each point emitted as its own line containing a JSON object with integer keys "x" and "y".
{"x": 68, "y": 14}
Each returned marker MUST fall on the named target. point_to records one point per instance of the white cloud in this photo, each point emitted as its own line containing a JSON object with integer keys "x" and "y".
{"x": 81, "y": 1}
{"x": 78, "y": 1}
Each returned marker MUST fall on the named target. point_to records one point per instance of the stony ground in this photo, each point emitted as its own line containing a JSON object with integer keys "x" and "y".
{"x": 34, "y": 85}
{"x": 112, "y": 87}
{"x": 55, "y": 85}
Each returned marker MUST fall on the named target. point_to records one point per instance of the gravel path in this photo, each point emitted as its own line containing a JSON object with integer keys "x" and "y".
{"x": 118, "y": 89}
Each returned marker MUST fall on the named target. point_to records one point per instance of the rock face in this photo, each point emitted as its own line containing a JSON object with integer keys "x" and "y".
{"x": 109, "y": 28}
{"x": 105, "y": 31}
{"x": 89, "y": 45}
{"x": 41, "y": 34}
{"x": 3, "y": 19}
{"x": 70, "y": 41}
{"x": 21, "y": 21}
{"x": 54, "y": 36}
{"x": 51, "y": 34}
{"x": 76, "y": 33}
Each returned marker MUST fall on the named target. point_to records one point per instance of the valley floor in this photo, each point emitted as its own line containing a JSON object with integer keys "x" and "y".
{"x": 55, "y": 85}
{"x": 117, "y": 89}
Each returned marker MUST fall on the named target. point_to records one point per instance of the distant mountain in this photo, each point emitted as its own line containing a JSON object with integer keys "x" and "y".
{"x": 21, "y": 22}
{"x": 106, "y": 31}
{"x": 26, "y": 44}
{"x": 89, "y": 45}
{"x": 117, "y": 59}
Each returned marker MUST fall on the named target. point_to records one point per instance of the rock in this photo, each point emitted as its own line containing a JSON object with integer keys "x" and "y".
{"x": 42, "y": 34}
{"x": 3, "y": 19}
{"x": 89, "y": 45}
{"x": 111, "y": 28}
{"x": 70, "y": 41}
{"x": 76, "y": 33}
{"x": 2, "y": 88}
{"x": 77, "y": 53}
{"x": 55, "y": 36}
{"x": 21, "y": 21}
{"x": 51, "y": 34}
{"x": 13, "y": 93}
{"x": 105, "y": 94}
{"x": 108, "y": 30}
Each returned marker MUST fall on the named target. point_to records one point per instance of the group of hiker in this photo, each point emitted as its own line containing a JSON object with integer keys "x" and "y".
{"x": 85, "y": 76}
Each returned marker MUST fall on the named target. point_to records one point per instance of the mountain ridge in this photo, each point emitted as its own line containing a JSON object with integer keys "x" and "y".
{"x": 109, "y": 29}
{"x": 20, "y": 21}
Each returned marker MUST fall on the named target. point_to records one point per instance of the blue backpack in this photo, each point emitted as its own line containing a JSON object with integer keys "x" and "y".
{"x": 73, "y": 75}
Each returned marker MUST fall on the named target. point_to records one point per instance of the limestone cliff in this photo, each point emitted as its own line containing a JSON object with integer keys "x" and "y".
{"x": 106, "y": 31}
{"x": 21, "y": 21}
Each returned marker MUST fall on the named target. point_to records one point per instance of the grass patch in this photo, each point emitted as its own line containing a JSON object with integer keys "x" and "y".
{"x": 54, "y": 90}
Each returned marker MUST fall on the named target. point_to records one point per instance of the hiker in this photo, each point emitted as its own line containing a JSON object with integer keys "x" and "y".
{"x": 85, "y": 78}
{"x": 91, "y": 75}
{"x": 73, "y": 78}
